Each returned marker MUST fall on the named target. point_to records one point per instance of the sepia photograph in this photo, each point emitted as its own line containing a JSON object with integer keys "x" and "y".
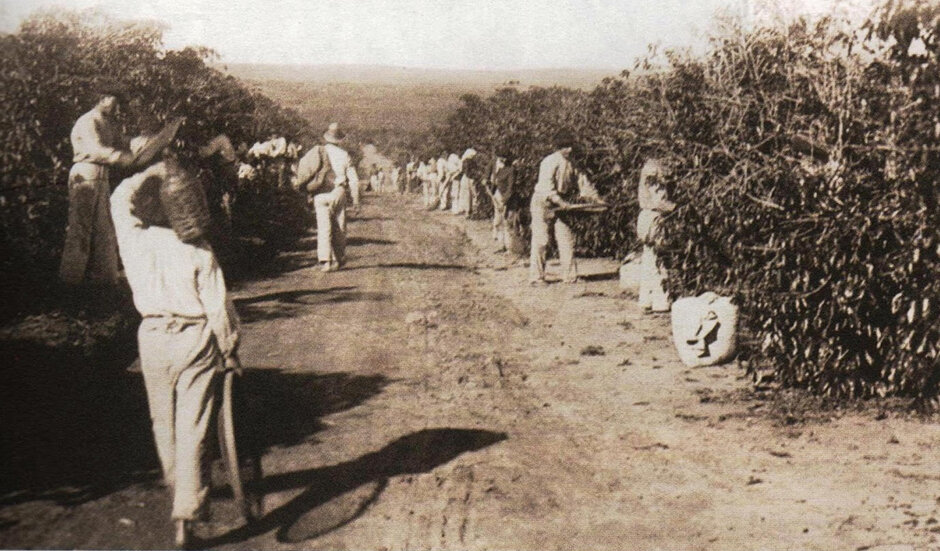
{"x": 471, "y": 275}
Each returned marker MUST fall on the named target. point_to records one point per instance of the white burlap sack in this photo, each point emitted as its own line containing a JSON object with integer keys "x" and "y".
{"x": 704, "y": 329}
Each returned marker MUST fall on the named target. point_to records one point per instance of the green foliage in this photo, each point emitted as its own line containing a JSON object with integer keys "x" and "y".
{"x": 50, "y": 71}
{"x": 804, "y": 160}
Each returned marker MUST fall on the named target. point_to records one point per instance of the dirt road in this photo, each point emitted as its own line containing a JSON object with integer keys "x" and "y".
{"x": 426, "y": 398}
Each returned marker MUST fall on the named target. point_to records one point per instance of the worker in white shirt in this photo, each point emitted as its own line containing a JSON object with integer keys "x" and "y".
{"x": 398, "y": 182}
{"x": 434, "y": 175}
{"x": 188, "y": 335}
{"x": 90, "y": 251}
{"x": 374, "y": 178}
{"x": 444, "y": 185}
{"x": 330, "y": 207}
{"x": 653, "y": 203}
{"x": 557, "y": 176}
{"x": 421, "y": 173}
{"x": 451, "y": 183}
{"x": 411, "y": 170}
{"x": 472, "y": 172}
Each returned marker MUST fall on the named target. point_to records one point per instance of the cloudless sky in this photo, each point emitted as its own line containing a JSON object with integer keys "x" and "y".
{"x": 464, "y": 34}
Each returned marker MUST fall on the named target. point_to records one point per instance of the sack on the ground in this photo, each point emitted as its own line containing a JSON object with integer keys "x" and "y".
{"x": 314, "y": 171}
{"x": 704, "y": 329}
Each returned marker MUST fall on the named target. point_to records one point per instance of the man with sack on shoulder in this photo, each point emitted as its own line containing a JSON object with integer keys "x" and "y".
{"x": 327, "y": 172}
{"x": 189, "y": 331}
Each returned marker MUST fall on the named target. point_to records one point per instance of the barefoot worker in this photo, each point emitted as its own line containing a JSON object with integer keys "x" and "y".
{"x": 557, "y": 177}
{"x": 188, "y": 334}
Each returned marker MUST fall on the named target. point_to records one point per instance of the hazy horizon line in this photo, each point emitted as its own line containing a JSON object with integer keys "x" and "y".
{"x": 416, "y": 68}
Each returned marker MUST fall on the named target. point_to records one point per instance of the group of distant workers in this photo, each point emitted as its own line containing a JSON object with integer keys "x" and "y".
{"x": 454, "y": 183}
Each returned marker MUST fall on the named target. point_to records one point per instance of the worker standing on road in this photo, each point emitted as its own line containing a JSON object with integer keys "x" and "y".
{"x": 421, "y": 173}
{"x": 502, "y": 178}
{"x": 444, "y": 183}
{"x": 397, "y": 180}
{"x": 557, "y": 176}
{"x": 411, "y": 170}
{"x": 90, "y": 251}
{"x": 328, "y": 172}
{"x": 188, "y": 334}
{"x": 472, "y": 173}
{"x": 449, "y": 186}
{"x": 374, "y": 178}
{"x": 331, "y": 206}
{"x": 434, "y": 183}
{"x": 653, "y": 203}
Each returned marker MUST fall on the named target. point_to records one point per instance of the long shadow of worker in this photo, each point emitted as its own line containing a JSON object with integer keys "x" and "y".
{"x": 338, "y": 494}
{"x": 79, "y": 435}
{"x": 357, "y": 241}
{"x": 603, "y": 276}
{"x": 287, "y": 304}
{"x": 414, "y": 266}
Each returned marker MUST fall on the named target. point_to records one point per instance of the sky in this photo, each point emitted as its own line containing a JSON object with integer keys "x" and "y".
{"x": 446, "y": 34}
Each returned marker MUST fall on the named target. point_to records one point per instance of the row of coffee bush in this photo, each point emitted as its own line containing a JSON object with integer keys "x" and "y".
{"x": 50, "y": 70}
{"x": 804, "y": 162}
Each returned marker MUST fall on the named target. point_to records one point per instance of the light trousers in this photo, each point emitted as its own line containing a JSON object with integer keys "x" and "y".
{"x": 90, "y": 249}
{"x": 330, "y": 210}
{"x": 353, "y": 192}
{"x": 652, "y": 278}
{"x": 500, "y": 230}
{"x": 433, "y": 186}
{"x": 179, "y": 359}
{"x": 444, "y": 194}
{"x": 464, "y": 196}
{"x": 425, "y": 193}
{"x": 564, "y": 237}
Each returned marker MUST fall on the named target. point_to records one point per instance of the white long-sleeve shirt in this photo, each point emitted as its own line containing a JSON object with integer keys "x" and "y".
{"x": 95, "y": 146}
{"x": 651, "y": 195}
{"x": 557, "y": 175}
{"x": 167, "y": 276}
{"x": 342, "y": 165}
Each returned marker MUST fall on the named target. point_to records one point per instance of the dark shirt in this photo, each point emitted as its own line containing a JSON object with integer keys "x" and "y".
{"x": 473, "y": 168}
{"x": 505, "y": 180}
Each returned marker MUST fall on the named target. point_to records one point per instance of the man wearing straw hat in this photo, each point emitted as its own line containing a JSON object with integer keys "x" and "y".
{"x": 330, "y": 207}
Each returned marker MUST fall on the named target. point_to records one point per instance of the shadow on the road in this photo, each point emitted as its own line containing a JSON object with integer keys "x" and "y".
{"x": 287, "y": 304}
{"x": 370, "y": 219}
{"x": 338, "y": 494}
{"x": 77, "y": 436}
{"x": 286, "y": 406}
{"x": 604, "y": 276}
{"x": 358, "y": 241}
{"x": 291, "y": 296}
{"x": 413, "y": 266}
